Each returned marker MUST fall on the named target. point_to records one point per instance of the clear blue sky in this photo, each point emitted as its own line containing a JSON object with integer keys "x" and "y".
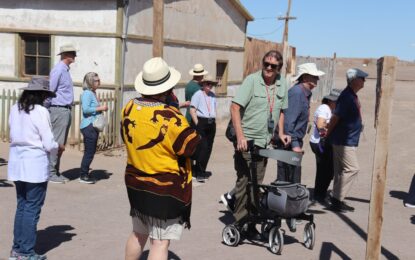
{"x": 351, "y": 28}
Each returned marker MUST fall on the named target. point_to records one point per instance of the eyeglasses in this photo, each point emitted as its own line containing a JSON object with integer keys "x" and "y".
{"x": 97, "y": 80}
{"x": 273, "y": 66}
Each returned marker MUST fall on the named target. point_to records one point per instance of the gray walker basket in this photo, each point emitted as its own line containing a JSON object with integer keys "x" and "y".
{"x": 286, "y": 199}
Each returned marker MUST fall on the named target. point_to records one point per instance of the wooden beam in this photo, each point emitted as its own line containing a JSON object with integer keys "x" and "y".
{"x": 384, "y": 97}
{"x": 158, "y": 20}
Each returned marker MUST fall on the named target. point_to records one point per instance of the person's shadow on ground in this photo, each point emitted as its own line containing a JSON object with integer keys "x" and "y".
{"x": 51, "y": 237}
{"x": 170, "y": 256}
{"x": 3, "y": 161}
{"x": 73, "y": 174}
{"x": 5, "y": 184}
{"x": 401, "y": 195}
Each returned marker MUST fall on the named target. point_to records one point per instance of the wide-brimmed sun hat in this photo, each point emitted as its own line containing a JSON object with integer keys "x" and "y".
{"x": 156, "y": 77}
{"x": 39, "y": 84}
{"x": 308, "y": 68}
{"x": 208, "y": 79}
{"x": 67, "y": 48}
{"x": 198, "y": 70}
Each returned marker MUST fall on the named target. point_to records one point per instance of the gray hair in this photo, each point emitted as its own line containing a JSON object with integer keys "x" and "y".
{"x": 89, "y": 80}
{"x": 354, "y": 73}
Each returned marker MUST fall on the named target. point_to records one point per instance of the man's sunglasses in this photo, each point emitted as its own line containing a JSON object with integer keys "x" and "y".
{"x": 273, "y": 66}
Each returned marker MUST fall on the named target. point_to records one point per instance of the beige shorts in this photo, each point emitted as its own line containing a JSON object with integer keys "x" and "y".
{"x": 160, "y": 230}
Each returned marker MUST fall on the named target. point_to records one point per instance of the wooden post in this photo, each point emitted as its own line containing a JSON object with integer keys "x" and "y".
{"x": 384, "y": 93}
{"x": 158, "y": 19}
{"x": 285, "y": 46}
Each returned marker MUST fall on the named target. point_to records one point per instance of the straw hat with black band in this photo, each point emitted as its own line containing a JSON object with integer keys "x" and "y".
{"x": 198, "y": 70}
{"x": 156, "y": 77}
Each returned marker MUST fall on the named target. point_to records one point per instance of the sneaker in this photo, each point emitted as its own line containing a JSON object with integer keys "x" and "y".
{"x": 57, "y": 179}
{"x": 13, "y": 255}
{"x": 200, "y": 178}
{"x": 32, "y": 257}
{"x": 292, "y": 224}
{"x": 64, "y": 178}
{"x": 229, "y": 201}
{"x": 409, "y": 205}
{"x": 87, "y": 179}
{"x": 207, "y": 174}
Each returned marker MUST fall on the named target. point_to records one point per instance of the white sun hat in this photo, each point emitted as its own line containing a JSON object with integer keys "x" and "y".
{"x": 67, "y": 48}
{"x": 198, "y": 70}
{"x": 156, "y": 77}
{"x": 308, "y": 68}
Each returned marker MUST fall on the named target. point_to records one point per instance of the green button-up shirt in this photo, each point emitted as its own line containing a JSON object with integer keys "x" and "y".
{"x": 255, "y": 101}
{"x": 191, "y": 88}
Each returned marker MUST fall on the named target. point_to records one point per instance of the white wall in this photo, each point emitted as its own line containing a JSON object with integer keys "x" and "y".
{"x": 214, "y": 22}
{"x": 183, "y": 59}
{"x": 7, "y": 54}
{"x": 137, "y": 53}
{"x": 75, "y": 15}
{"x": 95, "y": 54}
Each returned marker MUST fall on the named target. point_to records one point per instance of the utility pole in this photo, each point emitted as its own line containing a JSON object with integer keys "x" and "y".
{"x": 158, "y": 24}
{"x": 285, "y": 45}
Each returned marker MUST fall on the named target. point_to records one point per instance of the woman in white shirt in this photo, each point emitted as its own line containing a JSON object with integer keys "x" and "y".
{"x": 203, "y": 113}
{"x": 321, "y": 149}
{"x": 31, "y": 142}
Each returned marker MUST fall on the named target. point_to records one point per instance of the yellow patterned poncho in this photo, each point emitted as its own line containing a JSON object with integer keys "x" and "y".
{"x": 159, "y": 143}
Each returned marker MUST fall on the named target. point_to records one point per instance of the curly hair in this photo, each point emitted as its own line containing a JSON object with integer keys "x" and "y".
{"x": 29, "y": 99}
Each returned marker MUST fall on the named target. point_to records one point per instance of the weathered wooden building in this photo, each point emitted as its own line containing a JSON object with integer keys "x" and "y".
{"x": 114, "y": 38}
{"x": 195, "y": 31}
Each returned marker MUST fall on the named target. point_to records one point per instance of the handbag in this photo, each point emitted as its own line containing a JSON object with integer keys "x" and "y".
{"x": 230, "y": 132}
{"x": 100, "y": 122}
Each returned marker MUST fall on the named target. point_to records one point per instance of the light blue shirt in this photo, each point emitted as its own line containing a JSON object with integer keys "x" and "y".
{"x": 205, "y": 105}
{"x": 60, "y": 82}
{"x": 89, "y": 108}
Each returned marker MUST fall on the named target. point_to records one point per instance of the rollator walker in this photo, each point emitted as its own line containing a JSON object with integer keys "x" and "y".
{"x": 267, "y": 205}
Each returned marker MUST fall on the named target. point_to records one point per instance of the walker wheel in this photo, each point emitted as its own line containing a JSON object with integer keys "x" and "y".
{"x": 276, "y": 240}
{"x": 231, "y": 235}
{"x": 309, "y": 236}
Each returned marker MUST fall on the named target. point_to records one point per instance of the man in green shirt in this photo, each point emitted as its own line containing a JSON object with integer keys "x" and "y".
{"x": 197, "y": 72}
{"x": 255, "y": 109}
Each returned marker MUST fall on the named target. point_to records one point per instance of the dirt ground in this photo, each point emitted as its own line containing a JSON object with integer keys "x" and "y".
{"x": 80, "y": 221}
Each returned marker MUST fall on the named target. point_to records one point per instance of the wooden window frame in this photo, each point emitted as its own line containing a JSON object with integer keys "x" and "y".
{"x": 22, "y": 48}
{"x": 223, "y": 88}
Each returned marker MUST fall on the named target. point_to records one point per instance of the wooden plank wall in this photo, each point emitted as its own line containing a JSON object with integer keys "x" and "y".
{"x": 326, "y": 82}
{"x": 255, "y": 50}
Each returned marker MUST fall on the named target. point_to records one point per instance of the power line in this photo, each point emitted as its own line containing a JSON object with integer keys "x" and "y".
{"x": 268, "y": 33}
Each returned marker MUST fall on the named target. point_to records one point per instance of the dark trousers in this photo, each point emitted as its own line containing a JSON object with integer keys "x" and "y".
{"x": 30, "y": 199}
{"x": 411, "y": 194}
{"x": 90, "y": 147}
{"x": 207, "y": 130}
{"x": 287, "y": 172}
{"x": 324, "y": 169}
{"x": 242, "y": 163}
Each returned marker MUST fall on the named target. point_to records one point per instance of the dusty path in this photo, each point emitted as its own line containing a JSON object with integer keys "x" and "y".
{"x": 82, "y": 221}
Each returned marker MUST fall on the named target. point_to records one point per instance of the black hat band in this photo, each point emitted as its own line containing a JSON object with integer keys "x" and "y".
{"x": 157, "y": 82}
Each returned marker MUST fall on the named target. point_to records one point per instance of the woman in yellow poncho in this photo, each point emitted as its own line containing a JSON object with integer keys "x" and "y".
{"x": 158, "y": 175}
